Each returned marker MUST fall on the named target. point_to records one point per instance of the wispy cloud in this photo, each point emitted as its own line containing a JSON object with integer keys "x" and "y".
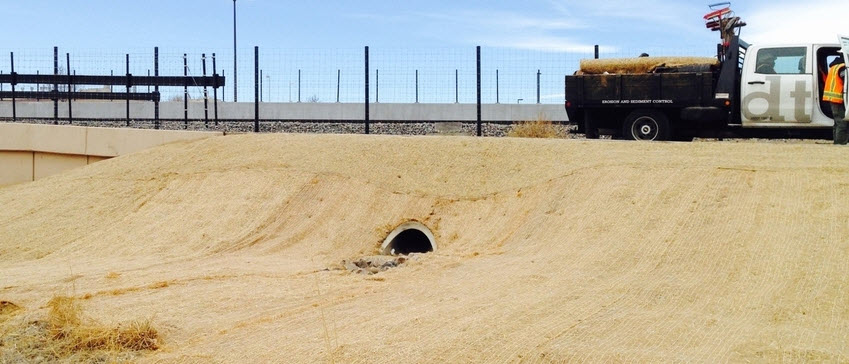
{"x": 554, "y": 25}
{"x": 381, "y": 18}
{"x": 511, "y": 29}
{"x": 797, "y": 22}
{"x": 649, "y": 12}
{"x": 545, "y": 44}
{"x": 505, "y": 20}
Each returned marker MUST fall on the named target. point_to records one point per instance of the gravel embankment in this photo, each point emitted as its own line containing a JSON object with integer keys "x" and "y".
{"x": 422, "y": 128}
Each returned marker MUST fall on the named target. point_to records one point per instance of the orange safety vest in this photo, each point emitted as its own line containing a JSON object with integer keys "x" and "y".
{"x": 833, "y": 92}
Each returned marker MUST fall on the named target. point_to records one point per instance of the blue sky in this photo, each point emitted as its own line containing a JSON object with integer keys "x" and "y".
{"x": 522, "y": 29}
{"x": 329, "y": 24}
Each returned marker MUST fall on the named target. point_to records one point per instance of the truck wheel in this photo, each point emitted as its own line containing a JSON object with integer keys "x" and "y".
{"x": 646, "y": 125}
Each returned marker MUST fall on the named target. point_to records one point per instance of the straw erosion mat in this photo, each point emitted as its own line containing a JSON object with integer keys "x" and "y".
{"x": 553, "y": 250}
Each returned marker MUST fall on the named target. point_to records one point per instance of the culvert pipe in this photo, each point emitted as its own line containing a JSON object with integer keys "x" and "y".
{"x": 409, "y": 237}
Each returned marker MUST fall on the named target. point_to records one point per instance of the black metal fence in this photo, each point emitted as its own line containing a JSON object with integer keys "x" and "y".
{"x": 470, "y": 76}
{"x": 69, "y": 82}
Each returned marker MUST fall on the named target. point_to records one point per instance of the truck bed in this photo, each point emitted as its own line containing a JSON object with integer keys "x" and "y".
{"x": 630, "y": 90}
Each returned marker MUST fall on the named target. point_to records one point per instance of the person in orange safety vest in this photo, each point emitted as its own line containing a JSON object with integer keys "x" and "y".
{"x": 833, "y": 94}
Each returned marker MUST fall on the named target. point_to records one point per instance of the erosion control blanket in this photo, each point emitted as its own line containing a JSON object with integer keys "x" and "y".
{"x": 236, "y": 247}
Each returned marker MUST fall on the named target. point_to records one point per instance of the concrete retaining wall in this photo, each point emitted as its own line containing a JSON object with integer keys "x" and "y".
{"x": 291, "y": 111}
{"x": 29, "y": 151}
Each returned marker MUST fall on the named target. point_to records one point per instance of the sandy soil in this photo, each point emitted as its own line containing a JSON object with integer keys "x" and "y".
{"x": 548, "y": 250}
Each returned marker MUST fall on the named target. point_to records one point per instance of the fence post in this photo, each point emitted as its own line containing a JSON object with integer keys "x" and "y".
{"x": 215, "y": 89}
{"x": 456, "y": 86}
{"x": 205, "y": 94}
{"x": 596, "y": 51}
{"x": 479, "y": 89}
{"x": 496, "y": 87}
{"x": 185, "y": 92}
{"x": 14, "y": 111}
{"x": 366, "y": 116}
{"x": 68, "y": 66}
{"x": 235, "y": 52}
{"x": 156, "y": 87}
{"x": 417, "y": 86}
{"x": 538, "y": 73}
{"x": 376, "y": 85}
{"x": 37, "y": 88}
{"x": 129, "y": 84}
{"x": 256, "y": 89}
{"x": 55, "y": 86}
{"x": 299, "y": 85}
{"x": 338, "y": 79}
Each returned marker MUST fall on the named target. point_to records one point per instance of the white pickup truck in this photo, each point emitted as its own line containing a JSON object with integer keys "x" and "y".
{"x": 756, "y": 90}
{"x": 782, "y": 85}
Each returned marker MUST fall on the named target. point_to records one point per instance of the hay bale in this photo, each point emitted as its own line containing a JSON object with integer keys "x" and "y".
{"x": 642, "y": 64}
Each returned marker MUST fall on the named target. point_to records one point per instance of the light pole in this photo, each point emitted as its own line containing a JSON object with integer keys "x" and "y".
{"x": 235, "y": 92}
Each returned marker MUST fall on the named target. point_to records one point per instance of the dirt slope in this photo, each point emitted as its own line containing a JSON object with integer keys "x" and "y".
{"x": 548, "y": 250}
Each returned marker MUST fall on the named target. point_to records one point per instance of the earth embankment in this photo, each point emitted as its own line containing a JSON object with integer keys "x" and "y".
{"x": 548, "y": 250}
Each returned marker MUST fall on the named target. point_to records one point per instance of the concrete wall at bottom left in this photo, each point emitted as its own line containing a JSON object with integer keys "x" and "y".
{"x": 32, "y": 151}
{"x": 29, "y": 166}
{"x": 45, "y": 164}
{"x": 17, "y": 167}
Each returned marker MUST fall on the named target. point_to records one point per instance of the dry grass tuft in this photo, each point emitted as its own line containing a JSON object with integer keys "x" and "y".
{"x": 542, "y": 127}
{"x": 7, "y": 310}
{"x": 112, "y": 275}
{"x": 66, "y": 335}
{"x": 120, "y": 291}
{"x": 162, "y": 284}
{"x": 65, "y": 323}
{"x": 7, "y": 307}
{"x": 64, "y": 313}
{"x": 72, "y": 278}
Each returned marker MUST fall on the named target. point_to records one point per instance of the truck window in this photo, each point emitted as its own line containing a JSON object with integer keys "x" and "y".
{"x": 783, "y": 61}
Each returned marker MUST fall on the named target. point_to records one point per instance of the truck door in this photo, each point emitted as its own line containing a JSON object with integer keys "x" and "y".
{"x": 777, "y": 87}
{"x": 844, "y": 43}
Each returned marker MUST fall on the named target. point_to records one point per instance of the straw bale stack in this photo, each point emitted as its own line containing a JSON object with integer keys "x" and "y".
{"x": 641, "y": 64}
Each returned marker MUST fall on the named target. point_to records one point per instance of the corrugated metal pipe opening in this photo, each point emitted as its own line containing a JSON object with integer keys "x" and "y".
{"x": 409, "y": 237}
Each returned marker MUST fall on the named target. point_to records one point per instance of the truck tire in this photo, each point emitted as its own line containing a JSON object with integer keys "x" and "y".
{"x": 643, "y": 124}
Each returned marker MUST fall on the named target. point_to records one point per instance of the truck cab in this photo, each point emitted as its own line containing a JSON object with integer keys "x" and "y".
{"x": 782, "y": 85}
